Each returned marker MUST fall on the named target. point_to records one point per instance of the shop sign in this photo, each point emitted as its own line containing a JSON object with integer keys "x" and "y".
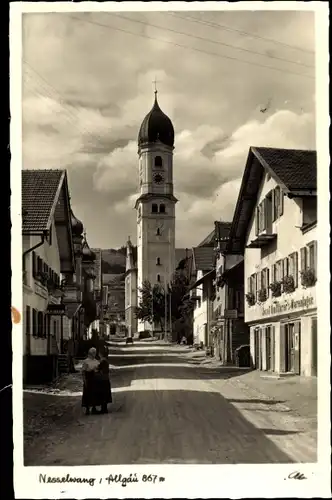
{"x": 282, "y": 307}
{"x": 230, "y": 314}
{"x": 56, "y": 309}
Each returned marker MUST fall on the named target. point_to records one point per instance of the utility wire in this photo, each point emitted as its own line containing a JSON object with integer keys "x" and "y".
{"x": 214, "y": 41}
{"x": 241, "y": 32}
{"x": 107, "y": 26}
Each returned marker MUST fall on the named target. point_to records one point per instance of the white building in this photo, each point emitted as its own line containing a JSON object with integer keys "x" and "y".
{"x": 48, "y": 254}
{"x": 157, "y": 256}
{"x": 274, "y": 227}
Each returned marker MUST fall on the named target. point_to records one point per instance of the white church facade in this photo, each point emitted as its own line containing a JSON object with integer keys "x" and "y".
{"x": 156, "y": 257}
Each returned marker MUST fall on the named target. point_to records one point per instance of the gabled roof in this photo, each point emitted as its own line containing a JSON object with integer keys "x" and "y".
{"x": 203, "y": 258}
{"x": 209, "y": 240}
{"x": 294, "y": 170}
{"x": 40, "y": 192}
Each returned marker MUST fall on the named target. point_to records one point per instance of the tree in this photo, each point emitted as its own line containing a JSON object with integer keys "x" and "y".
{"x": 146, "y": 311}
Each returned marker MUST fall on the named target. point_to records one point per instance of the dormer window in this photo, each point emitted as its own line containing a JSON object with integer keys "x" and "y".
{"x": 158, "y": 161}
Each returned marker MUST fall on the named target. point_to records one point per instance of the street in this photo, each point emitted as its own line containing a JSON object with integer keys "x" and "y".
{"x": 167, "y": 408}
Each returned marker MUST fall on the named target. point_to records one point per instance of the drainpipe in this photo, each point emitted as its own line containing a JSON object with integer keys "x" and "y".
{"x": 23, "y": 263}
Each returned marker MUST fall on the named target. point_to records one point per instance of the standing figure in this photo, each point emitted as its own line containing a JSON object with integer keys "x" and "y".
{"x": 104, "y": 384}
{"x": 89, "y": 371}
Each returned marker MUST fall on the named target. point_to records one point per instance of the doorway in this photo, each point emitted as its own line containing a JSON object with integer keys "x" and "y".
{"x": 257, "y": 349}
{"x": 268, "y": 334}
{"x": 292, "y": 347}
{"x": 314, "y": 346}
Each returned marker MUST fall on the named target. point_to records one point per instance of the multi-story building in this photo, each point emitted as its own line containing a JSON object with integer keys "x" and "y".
{"x": 48, "y": 254}
{"x": 274, "y": 227}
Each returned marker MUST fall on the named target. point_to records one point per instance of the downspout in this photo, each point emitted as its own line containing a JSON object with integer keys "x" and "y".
{"x": 28, "y": 349}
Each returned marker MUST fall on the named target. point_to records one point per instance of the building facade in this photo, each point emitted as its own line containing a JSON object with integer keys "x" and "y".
{"x": 48, "y": 255}
{"x": 131, "y": 290}
{"x": 275, "y": 226}
{"x": 156, "y": 202}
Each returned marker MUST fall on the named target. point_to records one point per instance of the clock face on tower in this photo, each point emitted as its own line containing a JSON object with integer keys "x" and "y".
{"x": 158, "y": 178}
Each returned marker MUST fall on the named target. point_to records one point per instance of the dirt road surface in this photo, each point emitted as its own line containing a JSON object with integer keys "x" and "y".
{"x": 166, "y": 408}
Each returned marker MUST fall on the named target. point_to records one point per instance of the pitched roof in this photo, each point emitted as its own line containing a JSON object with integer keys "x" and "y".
{"x": 209, "y": 240}
{"x": 295, "y": 168}
{"x": 40, "y": 189}
{"x": 204, "y": 258}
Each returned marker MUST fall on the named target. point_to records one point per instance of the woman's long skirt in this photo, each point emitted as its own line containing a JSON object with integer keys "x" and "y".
{"x": 104, "y": 395}
{"x": 90, "y": 393}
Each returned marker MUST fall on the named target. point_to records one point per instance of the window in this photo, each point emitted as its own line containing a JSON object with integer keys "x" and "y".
{"x": 54, "y": 328}
{"x": 158, "y": 161}
{"x": 158, "y": 231}
{"x": 312, "y": 255}
{"x": 277, "y": 203}
{"x": 284, "y": 267}
{"x": 261, "y": 217}
{"x": 252, "y": 285}
{"x": 158, "y": 278}
{"x": 158, "y": 261}
{"x": 293, "y": 267}
{"x": 265, "y": 279}
{"x": 309, "y": 210}
{"x": 28, "y": 321}
{"x": 162, "y": 208}
{"x": 154, "y": 208}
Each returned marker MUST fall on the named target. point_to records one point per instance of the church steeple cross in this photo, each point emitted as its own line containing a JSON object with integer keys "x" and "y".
{"x": 155, "y": 81}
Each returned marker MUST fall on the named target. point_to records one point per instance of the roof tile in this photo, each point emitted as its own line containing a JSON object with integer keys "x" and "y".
{"x": 39, "y": 188}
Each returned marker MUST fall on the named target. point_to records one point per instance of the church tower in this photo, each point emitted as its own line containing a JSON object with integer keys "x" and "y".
{"x": 156, "y": 202}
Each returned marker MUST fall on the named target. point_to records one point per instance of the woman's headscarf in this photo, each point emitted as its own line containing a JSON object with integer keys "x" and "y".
{"x": 92, "y": 353}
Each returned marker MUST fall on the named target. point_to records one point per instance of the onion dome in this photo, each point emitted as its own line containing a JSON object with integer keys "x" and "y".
{"x": 76, "y": 225}
{"x": 87, "y": 254}
{"x": 156, "y": 126}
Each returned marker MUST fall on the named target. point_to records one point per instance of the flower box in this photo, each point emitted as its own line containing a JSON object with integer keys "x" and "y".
{"x": 308, "y": 278}
{"x": 275, "y": 288}
{"x": 262, "y": 295}
{"x": 288, "y": 284}
{"x": 251, "y": 300}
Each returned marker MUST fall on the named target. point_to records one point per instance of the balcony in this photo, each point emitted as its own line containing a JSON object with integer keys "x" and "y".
{"x": 262, "y": 240}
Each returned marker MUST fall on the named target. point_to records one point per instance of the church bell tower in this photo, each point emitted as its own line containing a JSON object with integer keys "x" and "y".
{"x": 156, "y": 202}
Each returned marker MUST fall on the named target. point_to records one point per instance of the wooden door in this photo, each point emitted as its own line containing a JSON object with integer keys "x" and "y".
{"x": 297, "y": 348}
{"x": 268, "y": 348}
{"x": 289, "y": 364}
{"x": 314, "y": 363}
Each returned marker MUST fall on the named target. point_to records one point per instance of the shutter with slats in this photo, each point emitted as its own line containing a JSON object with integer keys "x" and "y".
{"x": 34, "y": 322}
{"x": 34, "y": 264}
{"x": 249, "y": 290}
{"x": 303, "y": 253}
{"x": 264, "y": 214}
{"x": 267, "y": 279}
{"x": 281, "y": 202}
{"x": 296, "y": 270}
{"x": 257, "y": 221}
{"x": 315, "y": 258}
{"x": 254, "y": 281}
{"x": 273, "y": 206}
{"x": 273, "y": 273}
{"x": 285, "y": 267}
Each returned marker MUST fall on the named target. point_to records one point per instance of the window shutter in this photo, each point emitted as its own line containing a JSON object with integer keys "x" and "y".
{"x": 34, "y": 322}
{"x": 285, "y": 267}
{"x": 281, "y": 202}
{"x": 273, "y": 207}
{"x": 296, "y": 270}
{"x": 263, "y": 215}
{"x": 303, "y": 253}
{"x": 28, "y": 320}
{"x": 254, "y": 281}
{"x": 273, "y": 340}
{"x": 34, "y": 264}
{"x": 249, "y": 285}
{"x": 273, "y": 273}
{"x": 257, "y": 221}
{"x": 267, "y": 278}
{"x": 315, "y": 258}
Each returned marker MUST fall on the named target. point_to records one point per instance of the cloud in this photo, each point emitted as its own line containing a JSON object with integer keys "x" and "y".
{"x": 88, "y": 85}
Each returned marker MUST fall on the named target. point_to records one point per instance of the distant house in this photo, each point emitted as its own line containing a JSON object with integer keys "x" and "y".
{"x": 202, "y": 273}
{"x": 48, "y": 255}
{"x": 274, "y": 228}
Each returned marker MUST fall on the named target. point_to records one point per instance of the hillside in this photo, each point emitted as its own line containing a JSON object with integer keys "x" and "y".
{"x": 113, "y": 261}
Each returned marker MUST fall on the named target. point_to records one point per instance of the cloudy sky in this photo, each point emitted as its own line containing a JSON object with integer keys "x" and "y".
{"x": 87, "y": 85}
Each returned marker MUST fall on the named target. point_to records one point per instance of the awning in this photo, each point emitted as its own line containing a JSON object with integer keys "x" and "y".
{"x": 56, "y": 309}
{"x": 210, "y": 274}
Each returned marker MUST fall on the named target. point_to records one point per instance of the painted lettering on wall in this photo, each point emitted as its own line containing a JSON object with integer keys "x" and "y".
{"x": 287, "y": 306}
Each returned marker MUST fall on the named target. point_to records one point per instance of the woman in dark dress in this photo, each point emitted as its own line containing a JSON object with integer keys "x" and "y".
{"x": 104, "y": 384}
{"x": 89, "y": 371}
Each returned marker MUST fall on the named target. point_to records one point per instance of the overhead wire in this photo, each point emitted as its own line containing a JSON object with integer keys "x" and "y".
{"x": 213, "y": 24}
{"x": 107, "y": 26}
{"x": 217, "y": 42}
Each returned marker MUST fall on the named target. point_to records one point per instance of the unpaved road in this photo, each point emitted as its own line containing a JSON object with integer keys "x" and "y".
{"x": 166, "y": 409}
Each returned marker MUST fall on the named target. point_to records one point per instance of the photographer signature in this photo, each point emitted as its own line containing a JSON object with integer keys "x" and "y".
{"x": 297, "y": 475}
